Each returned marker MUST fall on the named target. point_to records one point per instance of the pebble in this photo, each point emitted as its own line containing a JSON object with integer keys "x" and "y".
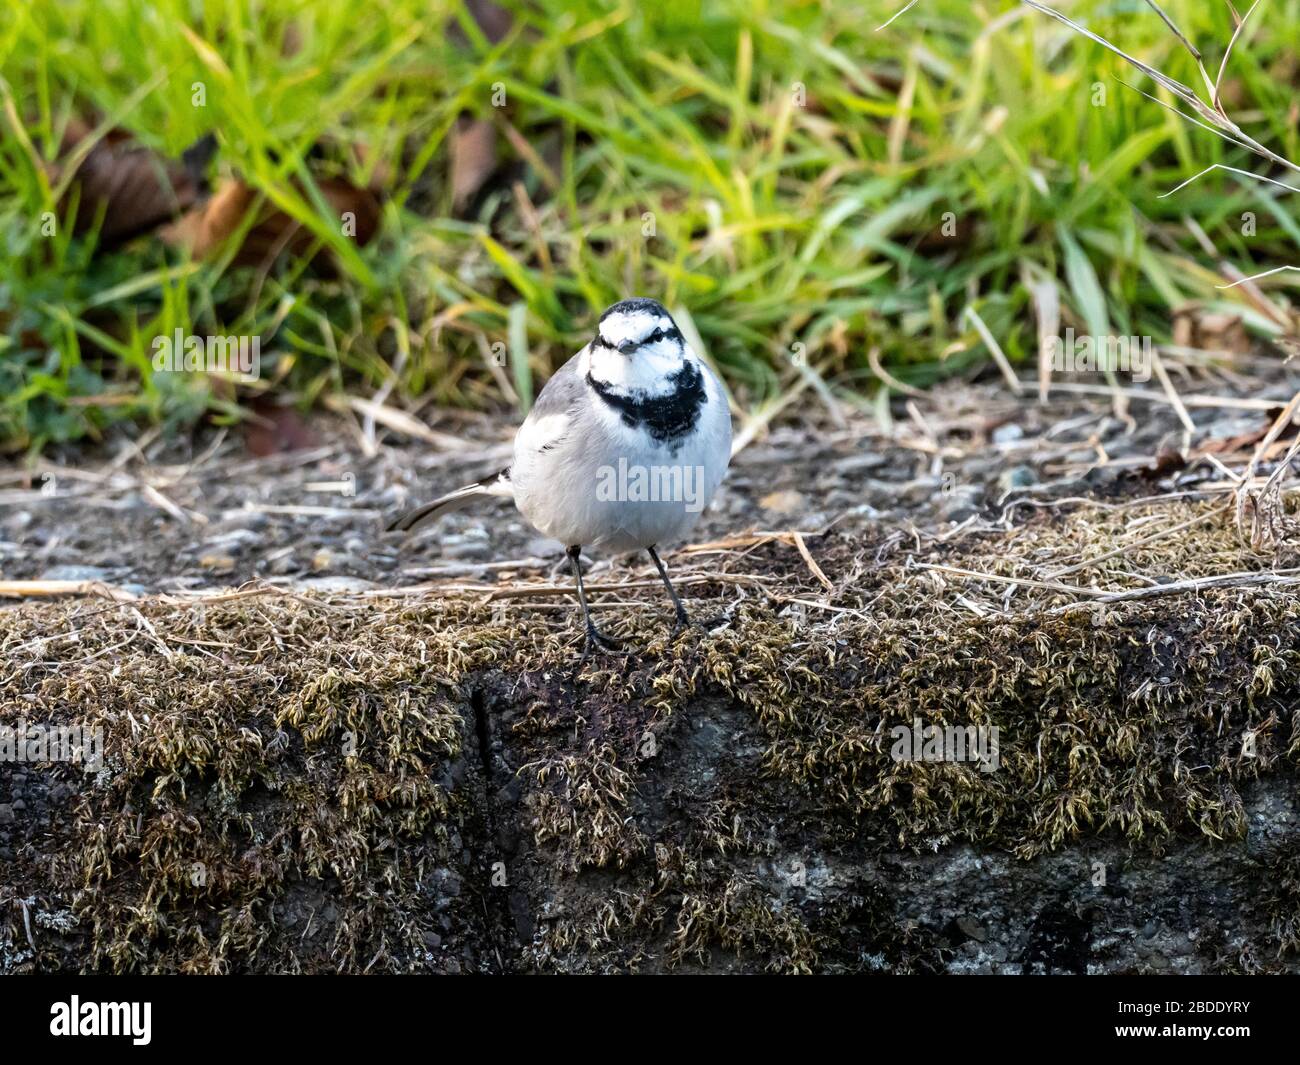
{"x": 961, "y": 502}
{"x": 1017, "y": 477}
{"x": 75, "y": 573}
{"x": 786, "y": 501}
{"x": 283, "y": 564}
{"x": 856, "y": 463}
{"x": 917, "y": 491}
{"x": 541, "y": 547}
{"x": 244, "y": 519}
{"x": 466, "y": 549}
{"x": 232, "y": 539}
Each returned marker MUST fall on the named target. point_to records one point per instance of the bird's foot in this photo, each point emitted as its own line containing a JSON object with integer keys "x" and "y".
{"x": 596, "y": 639}
{"x": 595, "y": 636}
{"x": 564, "y": 565}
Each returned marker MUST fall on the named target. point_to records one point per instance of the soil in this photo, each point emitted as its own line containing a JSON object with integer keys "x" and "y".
{"x": 331, "y": 748}
{"x": 83, "y": 515}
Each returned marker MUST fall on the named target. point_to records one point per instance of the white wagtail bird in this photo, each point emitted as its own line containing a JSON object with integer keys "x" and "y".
{"x": 626, "y": 445}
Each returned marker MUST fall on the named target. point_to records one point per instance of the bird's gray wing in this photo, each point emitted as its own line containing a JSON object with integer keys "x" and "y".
{"x": 553, "y": 415}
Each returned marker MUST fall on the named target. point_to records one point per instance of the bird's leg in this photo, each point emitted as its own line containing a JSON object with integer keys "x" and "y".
{"x": 594, "y": 635}
{"x": 683, "y": 619}
{"x": 561, "y": 564}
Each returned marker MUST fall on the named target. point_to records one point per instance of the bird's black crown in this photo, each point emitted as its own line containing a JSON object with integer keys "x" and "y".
{"x": 639, "y": 305}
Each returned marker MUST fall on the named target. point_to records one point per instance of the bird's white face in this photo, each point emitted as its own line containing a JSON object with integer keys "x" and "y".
{"x": 636, "y": 350}
{"x": 629, "y": 330}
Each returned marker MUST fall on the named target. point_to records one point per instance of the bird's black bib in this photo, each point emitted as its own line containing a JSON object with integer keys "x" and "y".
{"x": 666, "y": 418}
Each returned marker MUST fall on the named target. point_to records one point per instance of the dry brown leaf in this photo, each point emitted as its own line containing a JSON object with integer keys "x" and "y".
{"x": 274, "y": 429}
{"x": 135, "y": 188}
{"x": 473, "y": 159}
{"x": 493, "y": 19}
{"x": 1226, "y": 445}
{"x": 206, "y": 229}
{"x": 473, "y": 141}
{"x": 1194, "y": 327}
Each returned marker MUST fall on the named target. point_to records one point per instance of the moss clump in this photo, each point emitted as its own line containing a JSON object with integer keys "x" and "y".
{"x": 362, "y": 783}
{"x": 280, "y": 769}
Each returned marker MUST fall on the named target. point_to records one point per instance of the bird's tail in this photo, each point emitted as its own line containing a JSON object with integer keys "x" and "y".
{"x": 462, "y": 497}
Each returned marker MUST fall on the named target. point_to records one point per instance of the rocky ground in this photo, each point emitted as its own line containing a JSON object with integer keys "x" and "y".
{"x": 331, "y": 748}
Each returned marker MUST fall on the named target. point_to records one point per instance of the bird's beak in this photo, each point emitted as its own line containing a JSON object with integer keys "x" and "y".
{"x": 628, "y": 346}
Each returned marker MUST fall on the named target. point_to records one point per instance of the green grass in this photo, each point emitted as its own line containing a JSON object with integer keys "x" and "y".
{"x": 775, "y": 225}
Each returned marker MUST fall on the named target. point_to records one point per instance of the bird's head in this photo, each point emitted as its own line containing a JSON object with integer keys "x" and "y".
{"x": 637, "y": 348}
{"x": 638, "y": 325}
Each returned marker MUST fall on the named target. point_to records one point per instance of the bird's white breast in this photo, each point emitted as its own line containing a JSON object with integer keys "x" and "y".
{"x": 565, "y": 491}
